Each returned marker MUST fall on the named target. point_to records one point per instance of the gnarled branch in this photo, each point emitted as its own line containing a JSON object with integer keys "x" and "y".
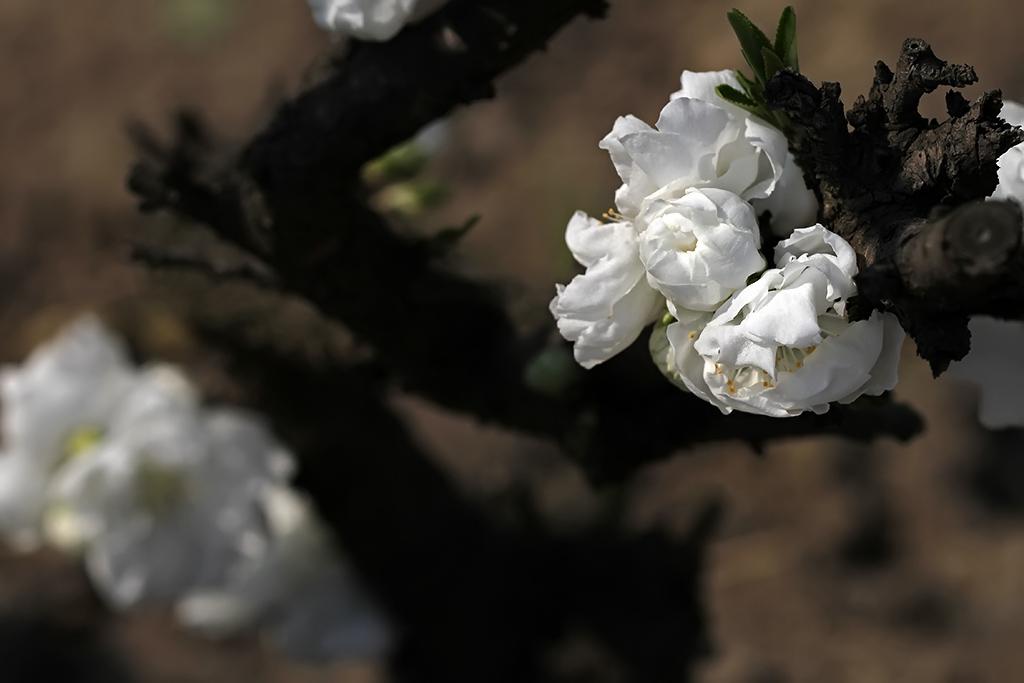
{"x": 908, "y": 194}
{"x": 292, "y": 198}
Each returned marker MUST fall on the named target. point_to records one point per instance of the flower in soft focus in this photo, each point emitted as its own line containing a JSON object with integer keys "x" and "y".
{"x": 783, "y": 345}
{"x": 996, "y": 366}
{"x": 1011, "y": 164}
{"x": 791, "y": 202}
{"x": 604, "y": 310}
{"x": 298, "y": 590}
{"x": 699, "y": 249}
{"x": 57, "y": 404}
{"x": 995, "y": 363}
{"x": 168, "y": 500}
{"x": 376, "y": 20}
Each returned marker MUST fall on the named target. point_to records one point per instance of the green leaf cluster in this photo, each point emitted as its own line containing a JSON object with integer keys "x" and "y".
{"x": 765, "y": 58}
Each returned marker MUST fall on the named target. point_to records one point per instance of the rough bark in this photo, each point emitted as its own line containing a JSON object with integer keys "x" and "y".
{"x": 908, "y": 194}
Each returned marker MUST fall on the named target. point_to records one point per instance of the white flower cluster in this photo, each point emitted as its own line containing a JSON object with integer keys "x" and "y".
{"x": 684, "y": 248}
{"x": 995, "y": 363}
{"x": 376, "y": 20}
{"x": 169, "y": 502}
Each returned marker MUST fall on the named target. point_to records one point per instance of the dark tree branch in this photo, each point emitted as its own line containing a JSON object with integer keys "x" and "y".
{"x": 292, "y": 198}
{"x": 625, "y": 418}
{"x": 907, "y": 194}
{"x": 187, "y": 257}
{"x": 477, "y": 599}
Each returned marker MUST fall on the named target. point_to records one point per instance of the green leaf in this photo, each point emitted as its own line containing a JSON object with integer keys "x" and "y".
{"x": 446, "y": 240}
{"x": 772, "y": 63}
{"x": 785, "y": 39}
{"x": 754, "y": 90}
{"x": 752, "y": 41}
{"x": 734, "y": 96}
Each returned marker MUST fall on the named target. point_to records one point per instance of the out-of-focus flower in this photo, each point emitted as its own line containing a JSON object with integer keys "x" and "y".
{"x": 995, "y": 363}
{"x": 699, "y": 249}
{"x": 376, "y": 20}
{"x": 168, "y": 500}
{"x": 783, "y": 345}
{"x": 298, "y": 591}
{"x": 996, "y": 366}
{"x": 58, "y": 403}
{"x": 604, "y": 310}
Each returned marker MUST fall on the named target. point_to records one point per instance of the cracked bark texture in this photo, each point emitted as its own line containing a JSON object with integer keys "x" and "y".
{"x": 908, "y": 194}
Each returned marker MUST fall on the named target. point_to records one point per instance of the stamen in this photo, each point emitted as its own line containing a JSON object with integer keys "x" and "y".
{"x": 612, "y": 216}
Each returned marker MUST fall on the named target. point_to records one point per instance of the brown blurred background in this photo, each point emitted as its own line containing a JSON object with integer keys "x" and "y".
{"x": 835, "y": 562}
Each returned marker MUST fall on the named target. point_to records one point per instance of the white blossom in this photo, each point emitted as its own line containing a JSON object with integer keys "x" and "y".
{"x": 376, "y": 20}
{"x": 1011, "y": 164}
{"x": 604, "y": 310}
{"x": 699, "y": 249}
{"x": 298, "y": 590}
{"x": 700, "y": 140}
{"x": 995, "y": 365}
{"x": 783, "y": 345}
{"x": 168, "y": 500}
{"x": 61, "y": 400}
{"x": 791, "y": 202}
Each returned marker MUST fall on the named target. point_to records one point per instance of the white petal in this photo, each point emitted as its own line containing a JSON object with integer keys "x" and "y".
{"x": 598, "y": 340}
{"x": 995, "y": 365}
{"x": 700, "y": 248}
{"x": 791, "y": 203}
{"x": 790, "y": 320}
{"x": 665, "y": 157}
{"x": 838, "y": 370}
{"x": 774, "y": 150}
{"x": 604, "y": 310}
{"x": 612, "y": 143}
{"x": 886, "y": 371}
{"x": 672, "y": 350}
{"x": 817, "y": 239}
{"x": 700, "y": 85}
{"x": 23, "y": 485}
{"x": 590, "y": 240}
{"x": 75, "y": 381}
{"x": 1011, "y": 164}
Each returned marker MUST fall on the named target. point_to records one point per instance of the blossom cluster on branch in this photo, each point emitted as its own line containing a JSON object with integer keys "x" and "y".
{"x": 684, "y": 249}
{"x": 169, "y": 502}
{"x": 995, "y": 364}
{"x": 722, "y": 169}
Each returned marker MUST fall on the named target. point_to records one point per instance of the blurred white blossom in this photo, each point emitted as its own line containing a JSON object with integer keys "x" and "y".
{"x": 169, "y": 500}
{"x": 56, "y": 404}
{"x": 376, "y": 20}
{"x": 995, "y": 364}
{"x": 783, "y": 345}
{"x": 298, "y": 590}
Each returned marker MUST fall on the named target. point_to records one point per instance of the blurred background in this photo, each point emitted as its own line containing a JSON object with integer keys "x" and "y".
{"x": 834, "y": 562}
